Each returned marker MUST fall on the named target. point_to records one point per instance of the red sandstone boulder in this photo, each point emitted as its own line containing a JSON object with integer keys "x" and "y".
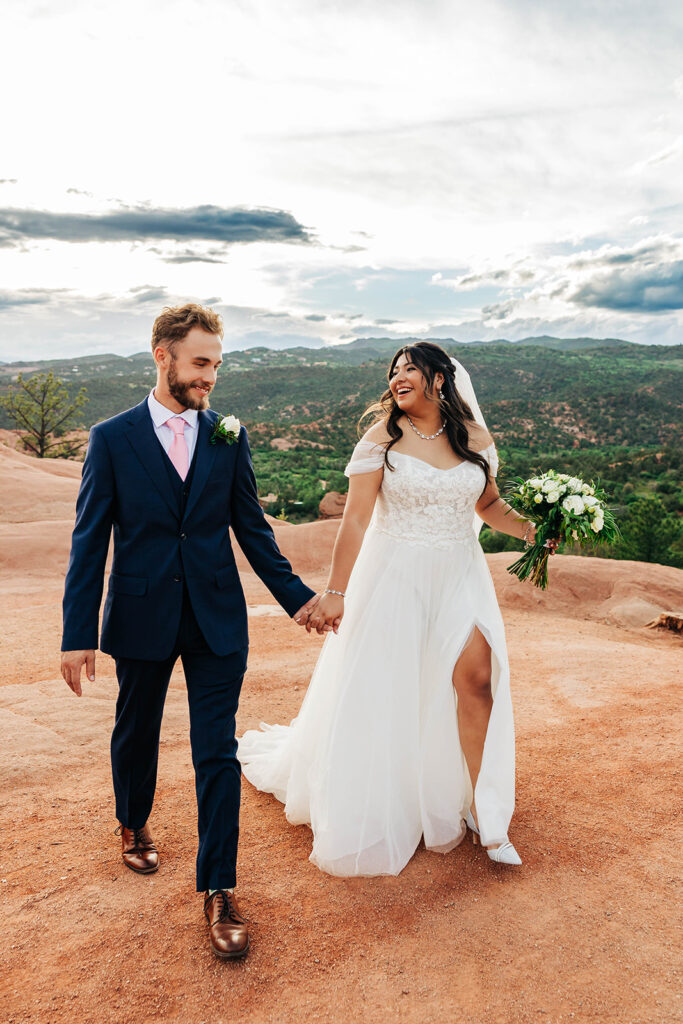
{"x": 332, "y": 505}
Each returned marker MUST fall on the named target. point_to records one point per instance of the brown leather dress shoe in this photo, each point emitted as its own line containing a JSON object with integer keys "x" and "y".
{"x": 138, "y": 850}
{"x": 227, "y": 928}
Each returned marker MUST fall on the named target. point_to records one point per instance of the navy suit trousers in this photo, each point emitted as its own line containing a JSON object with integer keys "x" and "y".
{"x": 213, "y": 689}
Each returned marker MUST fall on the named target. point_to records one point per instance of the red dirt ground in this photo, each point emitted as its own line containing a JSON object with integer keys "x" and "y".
{"x": 583, "y": 931}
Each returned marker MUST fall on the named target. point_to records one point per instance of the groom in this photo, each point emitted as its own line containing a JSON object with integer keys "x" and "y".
{"x": 170, "y": 489}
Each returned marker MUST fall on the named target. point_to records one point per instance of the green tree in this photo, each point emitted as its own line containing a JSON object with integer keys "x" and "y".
{"x": 44, "y": 410}
{"x": 492, "y": 541}
{"x": 649, "y": 534}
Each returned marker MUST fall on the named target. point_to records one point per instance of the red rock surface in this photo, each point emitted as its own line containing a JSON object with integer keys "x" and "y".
{"x": 332, "y": 505}
{"x": 582, "y": 932}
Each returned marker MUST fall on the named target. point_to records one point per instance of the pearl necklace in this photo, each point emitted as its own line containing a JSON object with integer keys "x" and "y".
{"x": 427, "y": 437}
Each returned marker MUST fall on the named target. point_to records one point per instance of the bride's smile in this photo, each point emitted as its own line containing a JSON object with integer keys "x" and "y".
{"x": 413, "y": 394}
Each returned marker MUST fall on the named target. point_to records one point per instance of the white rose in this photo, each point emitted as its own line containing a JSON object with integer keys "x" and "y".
{"x": 230, "y": 424}
{"x": 587, "y": 489}
{"x": 535, "y": 483}
{"x": 597, "y": 525}
{"x": 590, "y": 502}
{"x": 574, "y": 484}
{"x": 538, "y": 498}
{"x": 573, "y": 503}
{"x": 552, "y": 496}
{"x": 549, "y": 485}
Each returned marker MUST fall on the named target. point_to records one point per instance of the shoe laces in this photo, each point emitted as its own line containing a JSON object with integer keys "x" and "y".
{"x": 139, "y": 841}
{"x": 228, "y": 911}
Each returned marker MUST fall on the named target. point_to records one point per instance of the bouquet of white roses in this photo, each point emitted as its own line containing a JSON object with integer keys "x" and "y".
{"x": 564, "y": 508}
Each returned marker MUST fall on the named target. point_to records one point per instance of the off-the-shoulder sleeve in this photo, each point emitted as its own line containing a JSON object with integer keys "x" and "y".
{"x": 366, "y": 458}
{"x": 491, "y": 456}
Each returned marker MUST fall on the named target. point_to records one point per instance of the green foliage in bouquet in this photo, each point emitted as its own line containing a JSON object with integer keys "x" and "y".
{"x": 564, "y": 508}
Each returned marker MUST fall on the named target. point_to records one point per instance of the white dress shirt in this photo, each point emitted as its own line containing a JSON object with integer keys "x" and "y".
{"x": 160, "y": 415}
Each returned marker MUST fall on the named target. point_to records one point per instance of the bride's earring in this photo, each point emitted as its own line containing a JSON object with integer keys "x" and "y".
{"x": 441, "y": 394}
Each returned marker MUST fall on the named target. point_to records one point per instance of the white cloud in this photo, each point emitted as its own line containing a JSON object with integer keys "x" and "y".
{"x": 668, "y": 152}
{"x": 475, "y": 143}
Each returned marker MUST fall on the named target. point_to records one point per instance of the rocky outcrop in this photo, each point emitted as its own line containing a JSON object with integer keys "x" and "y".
{"x": 332, "y": 505}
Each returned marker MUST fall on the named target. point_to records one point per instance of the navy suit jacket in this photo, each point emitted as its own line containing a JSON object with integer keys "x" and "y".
{"x": 158, "y": 552}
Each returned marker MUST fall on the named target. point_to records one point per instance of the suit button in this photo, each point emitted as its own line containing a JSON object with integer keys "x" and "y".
{"x": 183, "y": 536}
{"x": 177, "y": 578}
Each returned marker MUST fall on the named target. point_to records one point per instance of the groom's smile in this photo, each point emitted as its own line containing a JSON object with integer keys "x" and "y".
{"x": 190, "y": 394}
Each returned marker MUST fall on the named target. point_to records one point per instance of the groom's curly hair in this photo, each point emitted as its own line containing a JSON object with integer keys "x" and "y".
{"x": 176, "y": 322}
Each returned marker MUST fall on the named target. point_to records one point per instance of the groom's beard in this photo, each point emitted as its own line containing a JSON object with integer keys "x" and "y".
{"x": 182, "y": 390}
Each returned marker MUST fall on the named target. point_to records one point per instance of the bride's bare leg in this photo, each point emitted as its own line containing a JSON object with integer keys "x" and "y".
{"x": 472, "y": 682}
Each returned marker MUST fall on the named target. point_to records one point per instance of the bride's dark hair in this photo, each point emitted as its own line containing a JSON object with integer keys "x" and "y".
{"x": 430, "y": 359}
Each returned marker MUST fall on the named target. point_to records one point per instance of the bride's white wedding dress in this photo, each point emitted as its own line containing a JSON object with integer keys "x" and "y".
{"x": 373, "y": 760}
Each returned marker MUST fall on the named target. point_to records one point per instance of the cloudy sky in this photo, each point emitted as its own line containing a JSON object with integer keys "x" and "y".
{"x": 320, "y": 170}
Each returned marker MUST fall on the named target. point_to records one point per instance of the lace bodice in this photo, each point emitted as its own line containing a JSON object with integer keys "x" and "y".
{"x": 420, "y": 503}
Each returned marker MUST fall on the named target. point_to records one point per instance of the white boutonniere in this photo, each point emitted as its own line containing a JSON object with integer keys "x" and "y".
{"x": 226, "y": 430}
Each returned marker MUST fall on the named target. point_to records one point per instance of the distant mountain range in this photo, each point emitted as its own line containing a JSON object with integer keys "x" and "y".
{"x": 553, "y": 391}
{"x": 598, "y": 408}
{"x": 383, "y": 346}
{"x": 351, "y": 353}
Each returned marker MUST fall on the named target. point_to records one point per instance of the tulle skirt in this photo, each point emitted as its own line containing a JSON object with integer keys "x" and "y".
{"x": 373, "y": 760}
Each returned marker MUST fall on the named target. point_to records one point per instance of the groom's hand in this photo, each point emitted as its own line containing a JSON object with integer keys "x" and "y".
{"x": 301, "y": 617}
{"x": 72, "y": 663}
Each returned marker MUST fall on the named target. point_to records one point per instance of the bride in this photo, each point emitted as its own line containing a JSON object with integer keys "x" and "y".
{"x": 406, "y": 729}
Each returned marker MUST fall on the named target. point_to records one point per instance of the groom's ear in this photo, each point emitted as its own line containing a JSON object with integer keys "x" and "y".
{"x": 161, "y": 355}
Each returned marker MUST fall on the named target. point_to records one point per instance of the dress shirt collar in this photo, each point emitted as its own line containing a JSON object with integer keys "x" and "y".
{"x": 160, "y": 414}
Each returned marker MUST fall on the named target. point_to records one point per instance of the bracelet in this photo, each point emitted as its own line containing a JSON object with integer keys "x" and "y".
{"x": 525, "y": 538}
{"x": 334, "y": 592}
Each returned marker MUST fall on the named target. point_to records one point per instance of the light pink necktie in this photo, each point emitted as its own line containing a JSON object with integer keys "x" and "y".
{"x": 178, "y": 453}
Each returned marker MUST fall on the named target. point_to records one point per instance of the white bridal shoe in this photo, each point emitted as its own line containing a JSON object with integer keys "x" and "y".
{"x": 503, "y": 854}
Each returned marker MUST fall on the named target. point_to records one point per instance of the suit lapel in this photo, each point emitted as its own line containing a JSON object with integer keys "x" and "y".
{"x": 140, "y": 433}
{"x": 204, "y": 458}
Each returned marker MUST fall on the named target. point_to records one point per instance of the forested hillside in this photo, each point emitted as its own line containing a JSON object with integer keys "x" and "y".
{"x": 597, "y": 409}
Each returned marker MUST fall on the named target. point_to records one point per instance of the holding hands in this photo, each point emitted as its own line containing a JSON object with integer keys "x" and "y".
{"x": 322, "y": 613}
{"x": 328, "y": 613}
